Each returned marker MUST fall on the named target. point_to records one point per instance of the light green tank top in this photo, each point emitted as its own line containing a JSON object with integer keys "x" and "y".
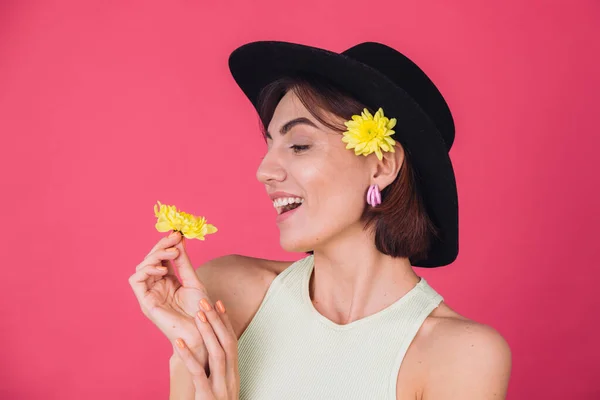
{"x": 289, "y": 351}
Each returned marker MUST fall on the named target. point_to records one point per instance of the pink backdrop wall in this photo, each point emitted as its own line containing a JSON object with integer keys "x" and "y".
{"x": 106, "y": 107}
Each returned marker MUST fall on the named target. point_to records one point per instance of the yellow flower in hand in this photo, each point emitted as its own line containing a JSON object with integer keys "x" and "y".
{"x": 190, "y": 226}
{"x": 367, "y": 133}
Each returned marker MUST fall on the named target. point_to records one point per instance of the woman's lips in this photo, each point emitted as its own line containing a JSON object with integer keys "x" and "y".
{"x": 282, "y": 217}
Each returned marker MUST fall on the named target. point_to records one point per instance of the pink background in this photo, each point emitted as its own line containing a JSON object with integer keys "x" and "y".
{"x": 107, "y": 107}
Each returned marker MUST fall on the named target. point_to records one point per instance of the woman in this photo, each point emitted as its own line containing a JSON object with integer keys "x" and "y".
{"x": 358, "y": 170}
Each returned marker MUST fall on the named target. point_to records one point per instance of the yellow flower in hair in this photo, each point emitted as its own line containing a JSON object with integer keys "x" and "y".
{"x": 190, "y": 226}
{"x": 367, "y": 133}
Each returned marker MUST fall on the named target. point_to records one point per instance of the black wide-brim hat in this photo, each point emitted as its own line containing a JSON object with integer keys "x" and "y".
{"x": 378, "y": 76}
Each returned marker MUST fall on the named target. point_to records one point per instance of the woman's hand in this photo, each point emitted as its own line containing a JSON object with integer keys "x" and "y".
{"x": 221, "y": 342}
{"x": 171, "y": 305}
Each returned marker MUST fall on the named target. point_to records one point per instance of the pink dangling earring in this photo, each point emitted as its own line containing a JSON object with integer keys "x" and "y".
{"x": 374, "y": 195}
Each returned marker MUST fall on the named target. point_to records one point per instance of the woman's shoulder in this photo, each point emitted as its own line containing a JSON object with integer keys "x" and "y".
{"x": 463, "y": 330}
{"x": 238, "y": 267}
{"x": 241, "y": 283}
{"x": 453, "y": 332}
{"x": 460, "y": 355}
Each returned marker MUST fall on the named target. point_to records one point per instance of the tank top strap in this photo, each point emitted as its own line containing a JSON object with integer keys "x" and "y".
{"x": 291, "y": 277}
{"x": 428, "y": 292}
{"x": 419, "y": 304}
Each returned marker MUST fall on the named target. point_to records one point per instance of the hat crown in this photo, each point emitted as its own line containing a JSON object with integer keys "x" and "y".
{"x": 407, "y": 75}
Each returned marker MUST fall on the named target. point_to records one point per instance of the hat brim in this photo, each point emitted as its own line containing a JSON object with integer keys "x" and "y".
{"x": 254, "y": 65}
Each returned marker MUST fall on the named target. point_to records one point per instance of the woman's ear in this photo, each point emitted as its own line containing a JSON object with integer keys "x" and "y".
{"x": 388, "y": 168}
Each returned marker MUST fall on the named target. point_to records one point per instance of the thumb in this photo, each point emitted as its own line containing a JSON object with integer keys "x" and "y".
{"x": 184, "y": 266}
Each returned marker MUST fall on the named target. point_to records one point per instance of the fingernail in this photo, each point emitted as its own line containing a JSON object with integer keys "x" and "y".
{"x": 220, "y": 306}
{"x": 172, "y": 249}
{"x": 161, "y": 268}
{"x": 205, "y": 304}
{"x": 180, "y": 343}
{"x": 202, "y": 316}
{"x": 173, "y": 234}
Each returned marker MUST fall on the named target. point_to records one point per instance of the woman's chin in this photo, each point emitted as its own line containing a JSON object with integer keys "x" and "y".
{"x": 294, "y": 245}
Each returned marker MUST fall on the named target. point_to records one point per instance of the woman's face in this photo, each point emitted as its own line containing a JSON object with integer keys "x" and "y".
{"x": 312, "y": 162}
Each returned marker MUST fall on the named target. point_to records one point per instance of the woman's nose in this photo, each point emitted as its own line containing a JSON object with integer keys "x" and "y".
{"x": 270, "y": 170}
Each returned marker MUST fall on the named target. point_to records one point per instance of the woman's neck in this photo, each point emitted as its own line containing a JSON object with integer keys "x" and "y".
{"x": 352, "y": 279}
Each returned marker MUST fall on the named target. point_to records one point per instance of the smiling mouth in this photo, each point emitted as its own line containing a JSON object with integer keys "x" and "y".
{"x": 284, "y": 205}
{"x": 289, "y": 207}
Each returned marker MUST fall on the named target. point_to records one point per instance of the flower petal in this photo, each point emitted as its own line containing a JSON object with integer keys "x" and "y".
{"x": 163, "y": 226}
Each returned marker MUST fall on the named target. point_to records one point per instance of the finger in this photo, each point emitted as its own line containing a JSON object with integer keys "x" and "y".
{"x": 167, "y": 241}
{"x": 196, "y": 369}
{"x": 229, "y": 342}
{"x": 225, "y": 318}
{"x": 206, "y": 321}
{"x": 158, "y": 257}
{"x": 164, "y": 263}
{"x": 184, "y": 266}
{"x": 226, "y": 337}
{"x": 139, "y": 280}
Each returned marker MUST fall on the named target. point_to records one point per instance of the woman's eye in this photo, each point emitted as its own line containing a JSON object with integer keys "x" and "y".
{"x": 298, "y": 148}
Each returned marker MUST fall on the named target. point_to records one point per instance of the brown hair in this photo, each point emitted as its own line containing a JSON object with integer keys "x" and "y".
{"x": 402, "y": 226}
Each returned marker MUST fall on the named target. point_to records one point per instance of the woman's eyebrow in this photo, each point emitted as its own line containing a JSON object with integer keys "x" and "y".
{"x": 290, "y": 124}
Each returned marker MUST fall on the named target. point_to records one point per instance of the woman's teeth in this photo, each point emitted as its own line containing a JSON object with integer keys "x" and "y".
{"x": 282, "y": 203}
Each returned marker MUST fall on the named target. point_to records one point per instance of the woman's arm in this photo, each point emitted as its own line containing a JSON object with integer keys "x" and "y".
{"x": 181, "y": 384}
